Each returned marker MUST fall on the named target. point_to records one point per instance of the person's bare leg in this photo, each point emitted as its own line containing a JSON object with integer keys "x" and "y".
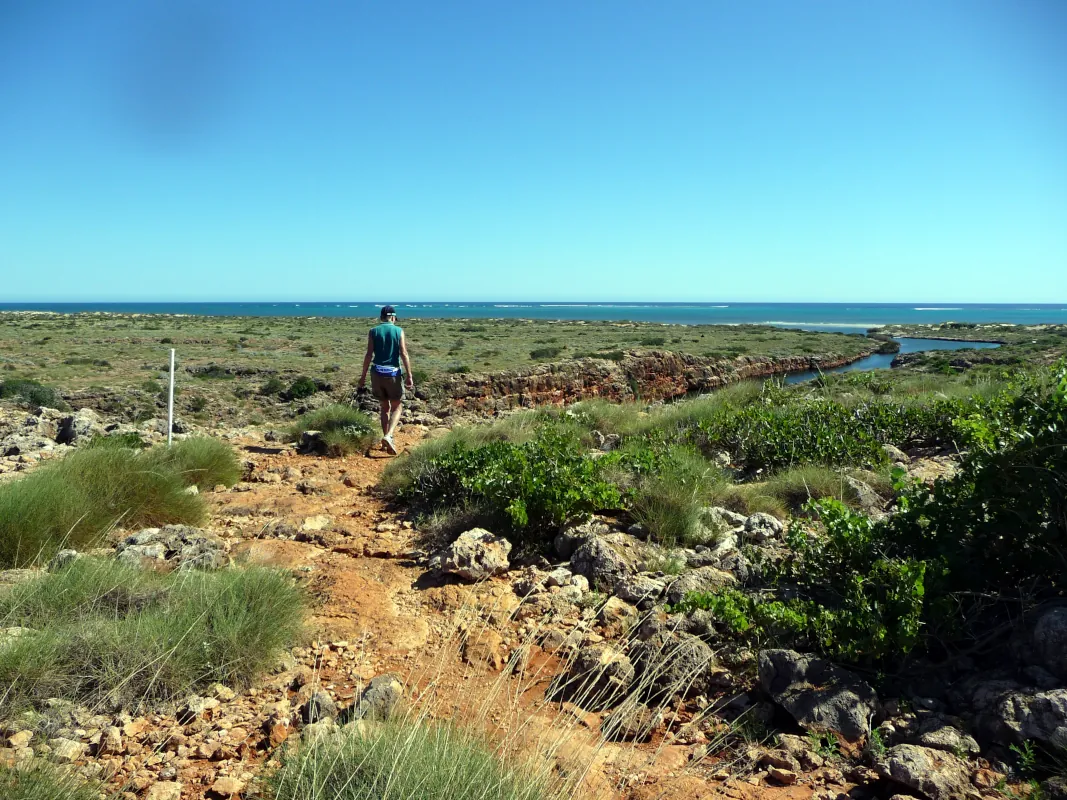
{"x": 394, "y": 416}
{"x": 383, "y": 413}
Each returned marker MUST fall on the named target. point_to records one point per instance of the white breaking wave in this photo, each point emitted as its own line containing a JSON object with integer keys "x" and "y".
{"x": 936, "y": 308}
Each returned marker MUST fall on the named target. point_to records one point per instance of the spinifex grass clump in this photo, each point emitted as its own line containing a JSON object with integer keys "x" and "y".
{"x": 72, "y": 502}
{"x": 411, "y": 760}
{"x": 40, "y": 780}
{"x": 103, "y": 632}
{"x": 344, "y": 429}
{"x": 199, "y": 461}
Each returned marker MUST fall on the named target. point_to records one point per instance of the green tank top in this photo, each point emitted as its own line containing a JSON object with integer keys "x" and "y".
{"x": 386, "y": 338}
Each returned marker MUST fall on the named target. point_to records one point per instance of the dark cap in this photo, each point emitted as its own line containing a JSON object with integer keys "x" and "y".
{"x": 388, "y": 311}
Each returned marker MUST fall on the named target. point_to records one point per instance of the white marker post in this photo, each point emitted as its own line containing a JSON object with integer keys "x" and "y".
{"x": 170, "y": 402}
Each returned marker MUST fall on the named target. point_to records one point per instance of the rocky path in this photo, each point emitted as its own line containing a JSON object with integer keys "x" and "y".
{"x": 376, "y": 611}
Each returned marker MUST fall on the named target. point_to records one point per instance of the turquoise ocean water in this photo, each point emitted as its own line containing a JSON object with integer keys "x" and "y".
{"x": 813, "y": 316}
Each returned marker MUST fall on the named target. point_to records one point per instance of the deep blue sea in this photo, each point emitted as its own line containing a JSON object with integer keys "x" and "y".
{"x": 849, "y": 317}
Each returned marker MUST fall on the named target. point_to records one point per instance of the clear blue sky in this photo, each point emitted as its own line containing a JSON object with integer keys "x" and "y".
{"x": 806, "y": 150}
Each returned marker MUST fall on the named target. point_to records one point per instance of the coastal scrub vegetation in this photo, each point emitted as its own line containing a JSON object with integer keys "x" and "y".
{"x": 961, "y": 555}
{"x": 961, "y": 558}
{"x": 75, "y": 500}
{"x": 407, "y": 760}
{"x": 100, "y": 631}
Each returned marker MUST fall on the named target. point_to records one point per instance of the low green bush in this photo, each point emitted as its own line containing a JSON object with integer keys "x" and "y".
{"x": 31, "y": 393}
{"x": 117, "y": 635}
{"x": 542, "y": 353}
{"x": 414, "y": 760}
{"x": 344, "y": 429}
{"x": 41, "y": 780}
{"x": 796, "y": 486}
{"x": 533, "y": 488}
{"x": 301, "y": 388}
{"x": 272, "y": 388}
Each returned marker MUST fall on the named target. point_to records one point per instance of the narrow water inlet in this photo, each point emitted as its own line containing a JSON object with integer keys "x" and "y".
{"x": 885, "y": 360}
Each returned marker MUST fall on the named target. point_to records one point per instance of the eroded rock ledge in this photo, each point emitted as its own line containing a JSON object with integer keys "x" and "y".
{"x": 650, "y": 374}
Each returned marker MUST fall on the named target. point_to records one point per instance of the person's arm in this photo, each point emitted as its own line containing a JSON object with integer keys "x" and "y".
{"x": 366, "y": 359}
{"x": 409, "y": 378}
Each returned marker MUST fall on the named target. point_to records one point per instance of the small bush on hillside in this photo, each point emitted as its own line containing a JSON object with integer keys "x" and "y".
{"x": 406, "y": 761}
{"x": 72, "y": 502}
{"x": 199, "y": 461}
{"x": 541, "y": 353}
{"x": 31, "y": 393}
{"x": 301, "y": 388}
{"x": 40, "y": 780}
{"x": 214, "y": 372}
{"x": 272, "y": 388}
{"x": 118, "y": 635}
{"x": 534, "y": 488}
{"x": 345, "y": 429}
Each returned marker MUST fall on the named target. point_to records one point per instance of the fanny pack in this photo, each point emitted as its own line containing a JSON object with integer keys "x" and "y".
{"x": 392, "y": 372}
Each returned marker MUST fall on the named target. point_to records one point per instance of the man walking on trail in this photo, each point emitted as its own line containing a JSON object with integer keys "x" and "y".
{"x": 386, "y": 350}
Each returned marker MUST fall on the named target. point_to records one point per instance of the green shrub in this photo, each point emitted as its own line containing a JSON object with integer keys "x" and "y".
{"x": 459, "y": 369}
{"x": 198, "y": 461}
{"x": 73, "y": 501}
{"x": 31, "y": 393}
{"x": 541, "y": 353}
{"x": 272, "y": 388}
{"x": 416, "y": 760}
{"x": 302, "y": 388}
{"x": 213, "y": 372}
{"x": 534, "y": 488}
{"x": 41, "y": 780}
{"x": 849, "y": 599}
{"x": 653, "y": 341}
{"x": 121, "y": 636}
{"x": 345, "y": 429}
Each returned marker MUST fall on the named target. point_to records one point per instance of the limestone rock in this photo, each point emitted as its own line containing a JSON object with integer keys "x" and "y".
{"x": 819, "y": 695}
{"x": 606, "y": 559}
{"x": 616, "y": 610}
{"x": 226, "y": 788}
{"x": 639, "y": 588}
{"x": 379, "y": 698}
{"x": 1048, "y": 642}
{"x": 570, "y": 539}
{"x": 1006, "y": 712}
{"x": 761, "y": 527}
{"x": 933, "y": 773}
{"x": 598, "y": 678}
{"x": 704, "y": 579}
{"x": 483, "y": 647}
{"x": 630, "y": 722}
{"x": 67, "y": 751}
{"x": 477, "y": 555}
{"x": 673, "y": 663}
{"x": 937, "y": 733}
{"x": 319, "y": 706}
{"x": 164, "y": 790}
